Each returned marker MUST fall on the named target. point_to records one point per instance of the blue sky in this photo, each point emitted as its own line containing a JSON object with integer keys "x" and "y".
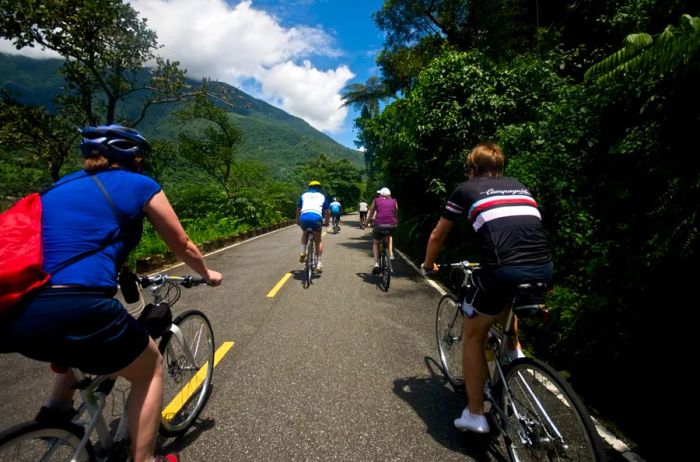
{"x": 296, "y": 54}
{"x": 350, "y": 23}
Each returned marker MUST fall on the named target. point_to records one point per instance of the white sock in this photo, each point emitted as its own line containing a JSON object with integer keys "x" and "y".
{"x": 303, "y": 249}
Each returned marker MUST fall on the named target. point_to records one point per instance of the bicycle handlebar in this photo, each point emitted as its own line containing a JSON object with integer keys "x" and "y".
{"x": 160, "y": 278}
{"x": 461, "y": 264}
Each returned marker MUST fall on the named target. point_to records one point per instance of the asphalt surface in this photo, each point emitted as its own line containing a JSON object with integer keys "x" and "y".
{"x": 338, "y": 371}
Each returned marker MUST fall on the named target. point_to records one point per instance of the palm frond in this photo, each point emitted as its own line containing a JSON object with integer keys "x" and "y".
{"x": 675, "y": 47}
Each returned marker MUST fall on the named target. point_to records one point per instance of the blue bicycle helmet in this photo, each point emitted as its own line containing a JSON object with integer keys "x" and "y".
{"x": 115, "y": 142}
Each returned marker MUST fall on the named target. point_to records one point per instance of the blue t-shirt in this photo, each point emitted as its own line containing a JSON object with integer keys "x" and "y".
{"x": 335, "y": 207}
{"x": 77, "y": 217}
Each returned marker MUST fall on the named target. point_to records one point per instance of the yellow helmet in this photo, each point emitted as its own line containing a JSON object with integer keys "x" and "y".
{"x": 315, "y": 183}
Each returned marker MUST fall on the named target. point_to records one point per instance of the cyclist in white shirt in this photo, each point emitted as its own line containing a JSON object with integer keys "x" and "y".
{"x": 312, "y": 212}
{"x": 362, "y": 208}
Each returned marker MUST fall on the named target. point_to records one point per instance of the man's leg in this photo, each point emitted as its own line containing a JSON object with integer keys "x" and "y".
{"x": 319, "y": 249}
{"x": 513, "y": 348}
{"x": 475, "y": 373}
{"x": 304, "y": 241}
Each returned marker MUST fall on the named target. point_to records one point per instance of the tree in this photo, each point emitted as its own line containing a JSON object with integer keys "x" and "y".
{"x": 104, "y": 45}
{"x": 339, "y": 178}
{"x": 213, "y": 148}
{"x": 32, "y": 136}
{"x": 674, "y": 48}
{"x": 370, "y": 95}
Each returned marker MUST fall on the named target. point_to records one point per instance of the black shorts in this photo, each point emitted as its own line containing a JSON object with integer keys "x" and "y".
{"x": 88, "y": 330}
{"x": 379, "y": 231}
{"x": 493, "y": 288}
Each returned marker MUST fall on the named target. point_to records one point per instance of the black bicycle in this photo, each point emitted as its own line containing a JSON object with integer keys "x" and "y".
{"x": 310, "y": 260}
{"x": 532, "y": 407}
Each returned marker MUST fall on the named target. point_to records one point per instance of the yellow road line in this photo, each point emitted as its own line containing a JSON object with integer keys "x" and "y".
{"x": 193, "y": 385}
{"x": 279, "y": 285}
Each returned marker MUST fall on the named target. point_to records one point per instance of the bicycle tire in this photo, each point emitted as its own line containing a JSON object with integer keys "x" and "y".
{"x": 548, "y": 407}
{"x": 384, "y": 271}
{"x": 309, "y": 263}
{"x": 449, "y": 328}
{"x": 32, "y": 441}
{"x": 187, "y": 385}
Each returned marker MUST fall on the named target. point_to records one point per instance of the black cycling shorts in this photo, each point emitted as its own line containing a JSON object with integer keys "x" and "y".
{"x": 494, "y": 288}
{"x": 88, "y": 330}
{"x": 379, "y": 231}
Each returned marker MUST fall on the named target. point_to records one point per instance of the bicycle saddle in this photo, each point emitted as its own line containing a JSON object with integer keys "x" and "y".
{"x": 529, "y": 298}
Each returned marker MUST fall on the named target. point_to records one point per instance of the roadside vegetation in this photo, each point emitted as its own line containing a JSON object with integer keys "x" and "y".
{"x": 594, "y": 102}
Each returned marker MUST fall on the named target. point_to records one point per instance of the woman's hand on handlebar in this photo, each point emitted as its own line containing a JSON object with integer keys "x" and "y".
{"x": 435, "y": 267}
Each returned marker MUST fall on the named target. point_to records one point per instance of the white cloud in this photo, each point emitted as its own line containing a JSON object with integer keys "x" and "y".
{"x": 238, "y": 43}
{"x": 306, "y": 90}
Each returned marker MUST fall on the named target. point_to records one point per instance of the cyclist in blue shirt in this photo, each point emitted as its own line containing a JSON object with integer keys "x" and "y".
{"x": 336, "y": 209}
{"x": 74, "y": 321}
{"x": 312, "y": 212}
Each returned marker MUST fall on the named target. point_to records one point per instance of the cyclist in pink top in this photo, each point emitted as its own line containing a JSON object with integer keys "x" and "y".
{"x": 385, "y": 221}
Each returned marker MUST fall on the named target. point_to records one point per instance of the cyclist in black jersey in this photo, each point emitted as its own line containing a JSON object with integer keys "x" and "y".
{"x": 515, "y": 250}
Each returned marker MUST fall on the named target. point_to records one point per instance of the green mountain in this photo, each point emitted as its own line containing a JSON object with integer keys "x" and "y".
{"x": 271, "y": 136}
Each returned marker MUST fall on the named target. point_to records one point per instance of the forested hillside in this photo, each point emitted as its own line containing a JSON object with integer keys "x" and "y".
{"x": 270, "y": 135}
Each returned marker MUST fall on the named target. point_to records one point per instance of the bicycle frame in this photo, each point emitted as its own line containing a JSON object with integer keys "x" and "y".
{"x": 94, "y": 396}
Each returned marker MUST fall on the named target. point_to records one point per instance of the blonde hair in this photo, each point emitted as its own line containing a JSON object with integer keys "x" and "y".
{"x": 485, "y": 159}
{"x": 94, "y": 164}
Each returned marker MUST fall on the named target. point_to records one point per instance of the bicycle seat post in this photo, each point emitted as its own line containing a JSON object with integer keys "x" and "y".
{"x": 95, "y": 402}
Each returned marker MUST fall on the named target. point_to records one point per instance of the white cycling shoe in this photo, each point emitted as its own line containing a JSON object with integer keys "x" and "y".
{"x": 472, "y": 422}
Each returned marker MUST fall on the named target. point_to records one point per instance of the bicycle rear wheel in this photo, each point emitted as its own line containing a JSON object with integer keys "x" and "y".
{"x": 188, "y": 360}
{"x": 385, "y": 271}
{"x": 33, "y": 441}
{"x": 309, "y": 264}
{"x": 552, "y": 423}
{"x": 449, "y": 323}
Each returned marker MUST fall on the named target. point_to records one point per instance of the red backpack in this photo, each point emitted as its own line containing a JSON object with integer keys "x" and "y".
{"x": 21, "y": 253}
{"x": 21, "y": 267}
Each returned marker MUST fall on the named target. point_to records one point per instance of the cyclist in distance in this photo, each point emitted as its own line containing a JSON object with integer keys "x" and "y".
{"x": 336, "y": 209}
{"x": 362, "y": 208}
{"x": 74, "y": 321}
{"x": 312, "y": 212}
{"x": 515, "y": 250}
{"x": 386, "y": 210}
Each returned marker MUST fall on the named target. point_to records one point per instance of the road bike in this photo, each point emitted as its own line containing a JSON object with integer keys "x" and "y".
{"x": 529, "y": 405}
{"x": 385, "y": 267}
{"x": 310, "y": 259}
{"x": 336, "y": 224}
{"x": 187, "y": 347}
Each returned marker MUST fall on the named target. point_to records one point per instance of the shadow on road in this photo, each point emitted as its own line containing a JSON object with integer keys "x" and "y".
{"x": 300, "y": 275}
{"x": 438, "y": 404}
{"x": 180, "y": 443}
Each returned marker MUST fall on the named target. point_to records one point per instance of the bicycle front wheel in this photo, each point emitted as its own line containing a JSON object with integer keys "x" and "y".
{"x": 449, "y": 326}
{"x": 33, "y": 441}
{"x": 188, "y": 360}
{"x": 545, "y": 418}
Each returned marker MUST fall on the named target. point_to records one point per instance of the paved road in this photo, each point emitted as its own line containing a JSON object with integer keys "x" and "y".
{"x": 338, "y": 371}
